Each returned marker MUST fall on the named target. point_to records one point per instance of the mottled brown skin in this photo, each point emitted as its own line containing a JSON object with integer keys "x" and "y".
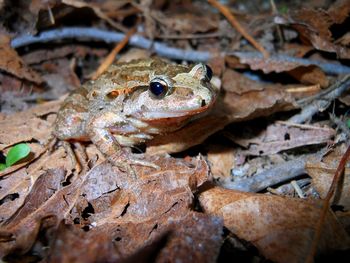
{"x": 119, "y": 110}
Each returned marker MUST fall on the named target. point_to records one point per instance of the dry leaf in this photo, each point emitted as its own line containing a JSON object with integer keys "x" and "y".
{"x": 314, "y": 25}
{"x": 277, "y": 63}
{"x": 194, "y": 237}
{"x": 281, "y": 228}
{"x": 282, "y": 136}
{"x": 113, "y": 197}
{"x": 221, "y": 159}
{"x": 13, "y": 64}
{"x": 322, "y": 173}
{"x": 310, "y": 75}
{"x": 34, "y": 124}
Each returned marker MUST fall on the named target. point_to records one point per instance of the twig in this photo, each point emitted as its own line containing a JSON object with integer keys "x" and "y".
{"x": 107, "y": 36}
{"x": 338, "y": 173}
{"x": 278, "y": 27}
{"x": 160, "y": 48}
{"x": 323, "y": 100}
{"x": 111, "y": 56}
{"x": 230, "y": 17}
{"x": 273, "y": 176}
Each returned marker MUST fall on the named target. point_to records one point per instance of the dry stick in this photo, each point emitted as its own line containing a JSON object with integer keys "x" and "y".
{"x": 230, "y": 17}
{"x": 111, "y": 56}
{"x": 160, "y": 48}
{"x": 338, "y": 173}
{"x": 279, "y": 30}
{"x": 278, "y": 174}
{"x": 323, "y": 100}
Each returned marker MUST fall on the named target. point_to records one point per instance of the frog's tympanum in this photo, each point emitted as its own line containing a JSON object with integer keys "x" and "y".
{"x": 131, "y": 103}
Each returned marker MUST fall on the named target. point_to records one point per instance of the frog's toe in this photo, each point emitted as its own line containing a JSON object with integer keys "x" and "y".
{"x": 125, "y": 164}
{"x": 143, "y": 163}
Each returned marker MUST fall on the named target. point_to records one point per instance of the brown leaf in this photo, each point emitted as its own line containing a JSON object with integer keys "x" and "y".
{"x": 195, "y": 237}
{"x": 310, "y": 75}
{"x": 322, "y": 173}
{"x": 281, "y": 228}
{"x": 35, "y": 123}
{"x": 13, "y": 64}
{"x": 221, "y": 159}
{"x": 17, "y": 185}
{"x": 275, "y": 63}
{"x": 96, "y": 7}
{"x": 114, "y": 195}
{"x": 282, "y": 136}
{"x": 314, "y": 25}
{"x": 235, "y": 82}
{"x": 187, "y": 22}
{"x": 20, "y": 232}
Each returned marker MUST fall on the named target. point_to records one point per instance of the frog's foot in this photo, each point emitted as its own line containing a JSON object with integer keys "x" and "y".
{"x": 125, "y": 163}
{"x": 78, "y": 161}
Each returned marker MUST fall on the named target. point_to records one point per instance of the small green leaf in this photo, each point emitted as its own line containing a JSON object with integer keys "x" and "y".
{"x": 2, "y": 166}
{"x": 348, "y": 123}
{"x": 17, "y": 153}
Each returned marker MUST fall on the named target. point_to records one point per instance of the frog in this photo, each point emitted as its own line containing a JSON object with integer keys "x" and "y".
{"x": 131, "y": 103}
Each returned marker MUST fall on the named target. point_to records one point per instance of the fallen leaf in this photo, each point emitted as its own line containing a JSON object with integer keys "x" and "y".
{"x": 282, "y": 136}
{"x": 13, "y": 64}
{"x": 314, "y": 25}
{"x": 281, "y": 228}
{"x": 187, "y": 22}
{"x": 195, "y": 237}
{"x": 322, "y": 173}
{"x": 35, "y": 123}
{"x": 221, "y": 159}
{"x": 276, "y": 63}
{"x": 96, "y": 7}
{"x": 111, "y": 196}
{"x": 310, "y": 75}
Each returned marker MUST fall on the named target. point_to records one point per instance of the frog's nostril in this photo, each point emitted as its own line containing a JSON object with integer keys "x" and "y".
{"x": 203, "y": 103}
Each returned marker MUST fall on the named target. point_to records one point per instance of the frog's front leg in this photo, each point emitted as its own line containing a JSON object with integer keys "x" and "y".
{"x": 98, "y": 129}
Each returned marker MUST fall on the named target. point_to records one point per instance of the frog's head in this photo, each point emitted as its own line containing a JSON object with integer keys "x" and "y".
{"x": 174, "y": 95}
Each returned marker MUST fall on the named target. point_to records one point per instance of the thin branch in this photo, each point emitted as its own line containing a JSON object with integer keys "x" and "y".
{"x": 160, "y": 48}
{"x": 234, "y": 22}
{"x": 322, "y": 102}
{"x": 278, "y": 174}
{"x": 112, "y": 37}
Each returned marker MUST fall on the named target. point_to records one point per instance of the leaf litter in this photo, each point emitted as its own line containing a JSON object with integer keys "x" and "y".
{"x": 54, "y": 210}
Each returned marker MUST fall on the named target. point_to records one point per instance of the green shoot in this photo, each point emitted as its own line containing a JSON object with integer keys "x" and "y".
{"x": 15, "y": 154}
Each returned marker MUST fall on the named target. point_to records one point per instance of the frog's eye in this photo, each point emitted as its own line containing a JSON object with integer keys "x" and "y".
{"x": 158, "y": 88}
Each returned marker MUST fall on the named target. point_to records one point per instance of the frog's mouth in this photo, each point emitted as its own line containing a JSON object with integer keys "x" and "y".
{"x": 174, "y": 116}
